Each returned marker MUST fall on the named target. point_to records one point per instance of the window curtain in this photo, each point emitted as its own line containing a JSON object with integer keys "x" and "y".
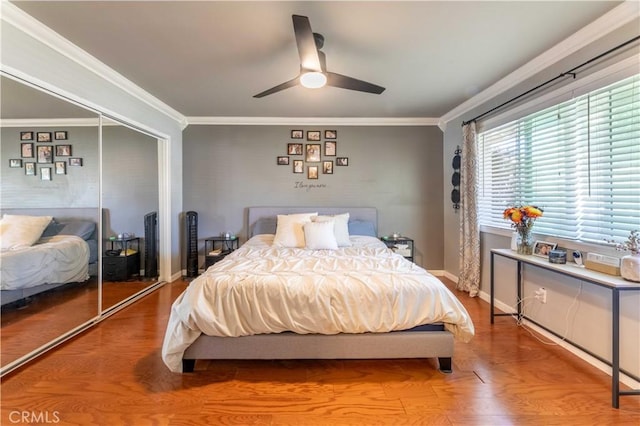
{"x": 469, "y": 277}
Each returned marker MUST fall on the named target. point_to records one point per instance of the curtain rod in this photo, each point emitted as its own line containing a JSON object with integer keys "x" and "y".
{"x": 571, "y": 72}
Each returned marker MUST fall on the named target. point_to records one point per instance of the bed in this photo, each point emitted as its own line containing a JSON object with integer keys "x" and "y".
{"x": 348, "y": 297}
{"x": 55, "y": 248}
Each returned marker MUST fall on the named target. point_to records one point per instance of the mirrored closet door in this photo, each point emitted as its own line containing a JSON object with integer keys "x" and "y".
{"x": 130, "y": 202}
{"x": 98, "y": 181}
{"x": 50, "y": 167}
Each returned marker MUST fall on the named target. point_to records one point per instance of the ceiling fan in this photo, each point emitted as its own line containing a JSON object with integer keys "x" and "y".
{"x": 313, "y": 68}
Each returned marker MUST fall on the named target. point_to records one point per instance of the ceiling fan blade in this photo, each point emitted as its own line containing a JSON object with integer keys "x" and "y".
{"x": 278, "y": 88}
{"x": 307, "y": 50}
{"x": 345, "y": 82}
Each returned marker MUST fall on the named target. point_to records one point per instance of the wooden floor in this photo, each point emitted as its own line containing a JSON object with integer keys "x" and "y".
{"x": 113, "y": 375}
{"x": 26, "y": 325}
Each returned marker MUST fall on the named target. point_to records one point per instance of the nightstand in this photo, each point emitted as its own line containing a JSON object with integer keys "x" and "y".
{"x": 400, "y": 245}
{"x": 216, "y": 248}
{"x": 121, "y": 259}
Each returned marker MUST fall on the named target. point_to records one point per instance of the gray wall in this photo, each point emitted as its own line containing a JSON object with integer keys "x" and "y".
{"x": 588, "y": 322}
{"x": 130, "y": 179}
{"x": 78, "y": 188}
{"x": 398, "y": 170}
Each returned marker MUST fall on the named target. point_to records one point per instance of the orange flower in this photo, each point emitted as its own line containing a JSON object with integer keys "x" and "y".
{"x": 532, "y": 211}
{"x": 522, "y": 216}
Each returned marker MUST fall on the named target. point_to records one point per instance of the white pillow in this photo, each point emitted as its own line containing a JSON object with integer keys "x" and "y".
{"x": 289, "y": 232}
{"x": 320, "y": 236}
{"x": 18, "y": 232}
{"x": 340, "y": 229}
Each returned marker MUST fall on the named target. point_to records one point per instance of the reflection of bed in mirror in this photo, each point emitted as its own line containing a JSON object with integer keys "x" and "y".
{"x": 66, "y": 252}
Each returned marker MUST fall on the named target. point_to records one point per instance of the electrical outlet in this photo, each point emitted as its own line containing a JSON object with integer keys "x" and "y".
{"x": 541, "y": 295}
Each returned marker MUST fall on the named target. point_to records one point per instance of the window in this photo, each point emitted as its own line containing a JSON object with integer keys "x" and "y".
{"x": 578, "y": 160}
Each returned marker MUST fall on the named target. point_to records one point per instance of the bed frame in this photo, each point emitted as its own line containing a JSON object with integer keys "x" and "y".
{"x": 431, "y": 341}
{"x": 61, "y": 214}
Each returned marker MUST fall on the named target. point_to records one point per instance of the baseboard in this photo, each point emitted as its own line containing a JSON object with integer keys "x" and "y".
{"x": 629, "y": 381}
{"x": 450, "y": 276}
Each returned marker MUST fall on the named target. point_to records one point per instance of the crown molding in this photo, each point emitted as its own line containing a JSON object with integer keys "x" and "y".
{"x": 312, "y": 121}
{"x": 607, "y": 23}
{"x": 50, "y": 122}
{"x": 15, "y": 16}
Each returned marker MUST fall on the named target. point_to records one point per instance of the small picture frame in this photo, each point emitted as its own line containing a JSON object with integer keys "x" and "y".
{"x": 342, "y": 161}
{"x": 297, "y": 134}
{"x": 63, "y": 150}
{"x": 30, "y": 169}
{"x": 294, "y": 149}
{"x": 44, "y": 136}
{"x": 327, "y": 167}
{"x": 331, "y": 134}
{"x": 542, "y": 248}
{"x": 45, "y": 173}
{"x": 60, "y": 135}
{"x": 330, "y": 148}
{"x": 61, "y": 167}
{"x": 75, "y": 162}
{"x": 312, "y": 172}
{"x": 26, "y": 150}
{"x": 313, "y": 153}
{"x": 26, "y": 136}
{"x": 45, "y": 154}
{"x": 313, "y": 135}
{"x": 283, "y": 160}
{"x": 15, "y": 163}
{"x": 298, "y": 166}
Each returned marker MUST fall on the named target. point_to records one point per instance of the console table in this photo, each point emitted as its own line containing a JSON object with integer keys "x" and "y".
{"x": 614, "y": 284}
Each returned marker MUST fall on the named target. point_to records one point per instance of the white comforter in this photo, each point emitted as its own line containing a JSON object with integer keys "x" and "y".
{"x": 262, "y": 289}
{"x": 57, "y": 259}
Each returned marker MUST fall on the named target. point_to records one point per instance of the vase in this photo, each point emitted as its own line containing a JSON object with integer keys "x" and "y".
{"x": 630, "y": 267}
{"x": 524, "y": 243}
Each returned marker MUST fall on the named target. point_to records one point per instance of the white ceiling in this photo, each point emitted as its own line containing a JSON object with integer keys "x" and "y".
{"x": 208, "y": 58}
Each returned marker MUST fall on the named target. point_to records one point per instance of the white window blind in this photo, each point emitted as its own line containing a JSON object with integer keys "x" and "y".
{"x": 578, "y": 160}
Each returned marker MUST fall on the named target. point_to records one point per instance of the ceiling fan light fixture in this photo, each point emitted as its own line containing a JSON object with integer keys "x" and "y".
{"x": 313, "y": 80}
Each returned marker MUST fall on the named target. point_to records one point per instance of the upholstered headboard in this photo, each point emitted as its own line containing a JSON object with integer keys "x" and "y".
{"x": 260, "y": 214}
{"x": 62, "y": 213}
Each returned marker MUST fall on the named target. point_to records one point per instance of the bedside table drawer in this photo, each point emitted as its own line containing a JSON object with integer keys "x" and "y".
{"x": 120, "y": 268}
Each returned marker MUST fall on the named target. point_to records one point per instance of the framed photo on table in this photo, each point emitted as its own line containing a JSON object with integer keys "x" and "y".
{"x": 542, "y": 248}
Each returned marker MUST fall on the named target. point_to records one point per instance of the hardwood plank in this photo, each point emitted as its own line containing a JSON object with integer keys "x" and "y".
{"x": 113, "y": 374}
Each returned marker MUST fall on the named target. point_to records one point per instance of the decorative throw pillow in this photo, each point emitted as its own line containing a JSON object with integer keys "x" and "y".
{"x": 340, "y": 228}
{"x": 320, "y": 235}
{"x": 18, "y": 231}
{"x": 362, "y": 227}
{"x": 289, "y": 232}
{"x": 81, "y": 228}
